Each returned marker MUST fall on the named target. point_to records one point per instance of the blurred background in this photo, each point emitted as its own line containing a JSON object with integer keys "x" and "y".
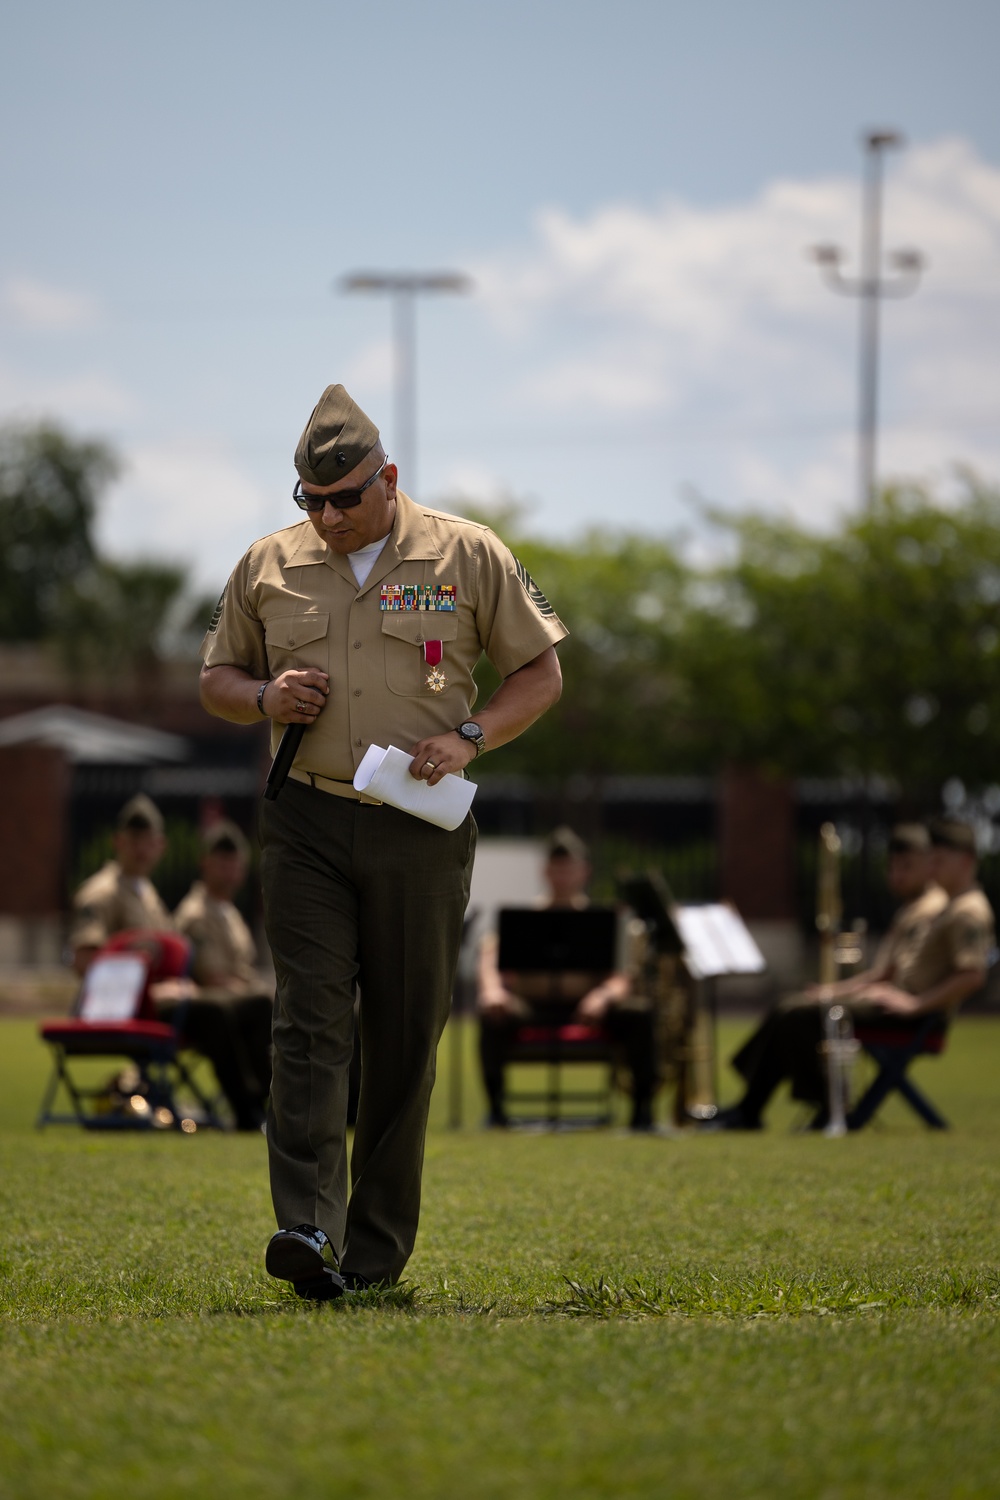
{"x": 640, "y": 376}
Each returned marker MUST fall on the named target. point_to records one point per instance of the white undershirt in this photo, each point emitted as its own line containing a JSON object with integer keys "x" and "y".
{"x": 365, "y": 559}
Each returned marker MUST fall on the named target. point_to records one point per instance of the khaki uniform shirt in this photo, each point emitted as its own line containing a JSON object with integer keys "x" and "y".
{"x": 292, "y": 602}
{"x": 961, "y": 937}
{"x": 221, "y": 940}
{"x": 110, "y": 902}
{"x": 907, "y": 931}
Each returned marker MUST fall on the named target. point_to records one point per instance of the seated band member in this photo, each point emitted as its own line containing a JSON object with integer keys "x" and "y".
{"x": 121, "y": 897}
{"x": 223, "y": 963}
{"x": 935, "y": 956}
{"x": 508, "y": 1001}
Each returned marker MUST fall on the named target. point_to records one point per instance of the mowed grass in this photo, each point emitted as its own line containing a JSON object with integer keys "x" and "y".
{"x": 587, "y": 1314}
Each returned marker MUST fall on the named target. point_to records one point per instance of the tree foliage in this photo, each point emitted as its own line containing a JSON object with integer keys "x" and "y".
{"x": 873, "y": 649}
{"x": 49, "y": 488}
{"x": 106, "y": 617}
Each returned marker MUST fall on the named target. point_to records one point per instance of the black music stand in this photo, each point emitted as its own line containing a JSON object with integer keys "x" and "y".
{"x": 557, "y": 941}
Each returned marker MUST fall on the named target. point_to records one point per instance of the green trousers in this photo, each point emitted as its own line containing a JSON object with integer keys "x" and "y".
{"x": 355, "y": 893}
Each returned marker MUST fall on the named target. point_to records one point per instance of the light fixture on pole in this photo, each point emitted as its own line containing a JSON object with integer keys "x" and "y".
{"x": 403, "y": 288}
{"x": 870, "y": 287}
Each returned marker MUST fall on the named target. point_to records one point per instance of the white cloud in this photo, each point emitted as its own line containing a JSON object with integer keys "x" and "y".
{"x": 51, "y": 309}
{"x": 89, "y": 396}
{"x": 714, "y": 321}
{"x": 186, "y": 501}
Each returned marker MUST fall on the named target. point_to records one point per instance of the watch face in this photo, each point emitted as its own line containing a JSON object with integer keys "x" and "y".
{"x": 470, "y": 730}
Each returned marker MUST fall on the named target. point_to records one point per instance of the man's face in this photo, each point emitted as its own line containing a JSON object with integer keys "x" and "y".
{"x": 224, "y": 871}
{"x": 138, "y": 850}
{"x": 909, "y": 873}
{"x": 566, "y": 876}
{"x": 954, "y": 870}
{"x": 346, "y": 531}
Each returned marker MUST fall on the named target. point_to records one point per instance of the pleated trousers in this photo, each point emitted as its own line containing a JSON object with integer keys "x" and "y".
{"x": 356, "y": 893}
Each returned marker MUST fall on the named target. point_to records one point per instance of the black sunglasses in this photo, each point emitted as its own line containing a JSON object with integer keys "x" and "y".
{"x": 342, "y": 500}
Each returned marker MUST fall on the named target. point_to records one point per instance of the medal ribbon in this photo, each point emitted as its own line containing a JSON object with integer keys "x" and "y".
{"x": 432, "y": 653}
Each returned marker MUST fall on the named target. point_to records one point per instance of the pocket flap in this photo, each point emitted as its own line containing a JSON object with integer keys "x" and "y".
{"x": 417, "y": 626}
{"x": 290, "y": 631}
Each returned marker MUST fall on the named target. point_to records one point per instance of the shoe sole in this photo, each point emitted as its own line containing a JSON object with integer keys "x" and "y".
{"x": 320, "y": 1288}
{"x": 291, "y": 1259}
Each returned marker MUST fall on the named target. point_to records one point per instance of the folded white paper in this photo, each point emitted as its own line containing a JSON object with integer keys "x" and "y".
{"x": 385, "y": 775}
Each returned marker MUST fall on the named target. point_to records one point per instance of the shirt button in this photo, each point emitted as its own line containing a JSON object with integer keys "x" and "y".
{"x": 357, "y": 692}
{"x": 359, "y": 742}
{"x": 357, "y": 645}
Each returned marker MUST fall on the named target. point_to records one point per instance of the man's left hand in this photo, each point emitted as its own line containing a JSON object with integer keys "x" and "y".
{"x": 440, "y": 756}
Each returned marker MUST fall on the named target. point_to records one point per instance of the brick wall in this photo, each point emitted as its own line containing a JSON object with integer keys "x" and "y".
{"x": 34, "y": 795}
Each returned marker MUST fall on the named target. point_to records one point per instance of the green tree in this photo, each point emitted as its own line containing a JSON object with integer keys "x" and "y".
{"x": 872, "y": 650}
{"x": 50, "y": 484}
{"x": 624, "y": 603}
{"x": 115, "y": 619}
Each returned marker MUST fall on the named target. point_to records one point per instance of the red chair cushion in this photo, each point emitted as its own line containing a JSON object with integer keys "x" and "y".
{"x": 573, "y": 1031}
{"x": 875, "y": 1036}
{"x": 98, "y": 1038}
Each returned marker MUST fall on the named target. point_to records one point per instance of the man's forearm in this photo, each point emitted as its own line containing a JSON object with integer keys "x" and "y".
{"x": 521, "y": 699}
{"x": 950, "y": 992}
{"x": 230, "y": 693}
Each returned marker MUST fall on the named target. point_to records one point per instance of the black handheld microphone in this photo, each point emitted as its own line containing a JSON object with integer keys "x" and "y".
{"x": 288, "y": 749}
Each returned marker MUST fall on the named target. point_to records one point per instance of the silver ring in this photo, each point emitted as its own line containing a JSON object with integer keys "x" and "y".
{"x": 300, "y": 707}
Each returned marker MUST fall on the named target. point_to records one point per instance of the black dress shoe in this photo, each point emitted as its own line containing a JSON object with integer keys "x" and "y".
{"x": 355, "y": 1282}
{"x": 305, "y": 1257}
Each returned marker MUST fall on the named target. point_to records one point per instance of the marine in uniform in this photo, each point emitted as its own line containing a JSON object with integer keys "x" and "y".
{"x": 615, "y": 1002}
{"x": 935, "y": 955}
{"x": 363, "y": 622}
{"x": 121, "y": 895}
{"x": 223, "y": 966}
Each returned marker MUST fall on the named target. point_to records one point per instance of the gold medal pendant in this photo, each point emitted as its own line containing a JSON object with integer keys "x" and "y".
{"x": 435, "y": 679}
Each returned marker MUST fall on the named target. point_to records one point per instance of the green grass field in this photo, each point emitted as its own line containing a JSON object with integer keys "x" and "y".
{"x": 587, "y": 1314}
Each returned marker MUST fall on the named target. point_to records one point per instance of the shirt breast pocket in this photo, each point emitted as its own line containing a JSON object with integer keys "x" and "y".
{"x": 297, "y": 641}
{"x": 403, "y": 636}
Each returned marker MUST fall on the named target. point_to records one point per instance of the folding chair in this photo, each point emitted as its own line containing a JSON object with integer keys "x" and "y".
{"x": 114, "y": 1017}
{"x": 893, "y": 1050}
{"x": 558, "y": 1046}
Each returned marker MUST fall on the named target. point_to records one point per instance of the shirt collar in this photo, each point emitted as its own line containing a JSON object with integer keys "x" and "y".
{"x": 410, "y": 540}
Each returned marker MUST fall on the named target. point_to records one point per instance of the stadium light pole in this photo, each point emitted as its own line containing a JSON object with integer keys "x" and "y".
{"x": 403, "y": 288}
{"x": 870, "y": 287}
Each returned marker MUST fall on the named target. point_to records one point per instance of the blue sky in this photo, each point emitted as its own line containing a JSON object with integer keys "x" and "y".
{"x": 631, "y": 186}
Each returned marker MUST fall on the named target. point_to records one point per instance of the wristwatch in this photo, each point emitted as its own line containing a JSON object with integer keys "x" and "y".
{"x": 471, "y": 731}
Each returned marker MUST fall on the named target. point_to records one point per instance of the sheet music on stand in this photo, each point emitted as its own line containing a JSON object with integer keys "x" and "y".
{"x": 717, "y": 942}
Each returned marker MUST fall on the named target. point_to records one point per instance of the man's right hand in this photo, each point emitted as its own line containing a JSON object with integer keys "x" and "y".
{"x": 296, "y": 696}
{"x": 497, "y": 1005}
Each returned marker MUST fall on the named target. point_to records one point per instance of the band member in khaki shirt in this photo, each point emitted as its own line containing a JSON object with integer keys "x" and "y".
{"x": 941, "y": 955}
{"x": 612, "y": 1001}
{"x": 223, "y": 963}
{"x": 121, "y": 895}
{"x": 364, "y": 622}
